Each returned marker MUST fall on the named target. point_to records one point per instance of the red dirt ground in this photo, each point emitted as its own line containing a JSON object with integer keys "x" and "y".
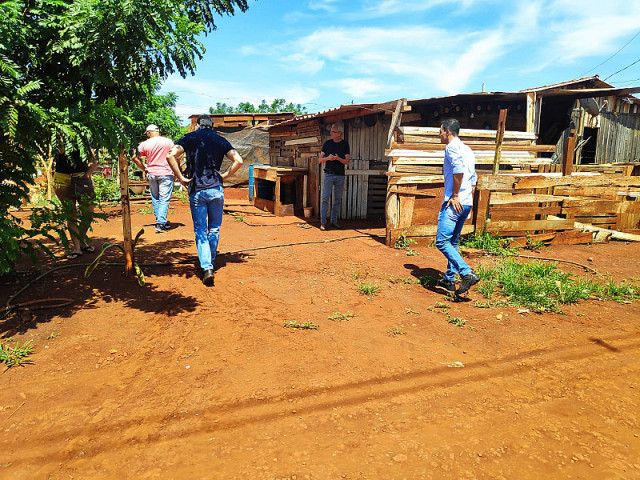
{"x": 175, "y": 380}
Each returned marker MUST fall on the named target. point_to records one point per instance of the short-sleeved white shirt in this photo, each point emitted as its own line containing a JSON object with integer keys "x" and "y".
{"x": 458, "y": 158}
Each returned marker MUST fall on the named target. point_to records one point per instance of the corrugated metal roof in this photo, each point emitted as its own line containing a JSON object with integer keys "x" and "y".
{"x": 326, "y": 113}
{"x": 593, "y": 78}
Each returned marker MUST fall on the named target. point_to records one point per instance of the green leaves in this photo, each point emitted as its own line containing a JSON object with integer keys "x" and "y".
{"x": 83, "y": 73}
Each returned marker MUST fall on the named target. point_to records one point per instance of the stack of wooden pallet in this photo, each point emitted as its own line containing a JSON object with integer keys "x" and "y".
{"x": 543, "y": 204}
{"x": 418, "y": 149}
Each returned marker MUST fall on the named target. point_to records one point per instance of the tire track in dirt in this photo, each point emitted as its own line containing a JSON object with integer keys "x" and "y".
{"x": 95, "y": 439}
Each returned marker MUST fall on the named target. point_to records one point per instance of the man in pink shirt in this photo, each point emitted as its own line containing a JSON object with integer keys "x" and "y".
{"x": 160, "y": 175}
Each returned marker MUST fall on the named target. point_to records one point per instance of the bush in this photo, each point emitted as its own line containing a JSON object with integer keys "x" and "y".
{"x": 107, "y": 190}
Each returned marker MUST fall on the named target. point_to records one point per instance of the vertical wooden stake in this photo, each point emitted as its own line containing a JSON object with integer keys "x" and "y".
{"x": 126, "y": 213}
{"x": 569, "y": 150}
{"x": 502, "y": 121}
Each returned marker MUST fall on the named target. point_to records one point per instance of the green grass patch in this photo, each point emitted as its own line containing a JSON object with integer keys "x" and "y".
{"x": 181, "y": 195}
{"x": 457, "y": 321}
{"x": 542, "y": 287}
{"x": 301, "y": 326}
{"x": 13, "y": 356}
{"x": 404, "y": 280}
{"x": 396, "y": 331}
{"x": 404, "y": 243}
{"x": 489, "y": 243}
{"x": 341, "y": 317}
{"x": 369, "y": 288}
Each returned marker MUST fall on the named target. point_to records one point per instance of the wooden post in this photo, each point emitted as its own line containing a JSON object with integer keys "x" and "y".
{"x": 502, "y": 121}
{"x": 126, "y": 213}
{"x": 531, "y": 111}
{"x": 395, "y": 121}
{"x": 569, "y": 149}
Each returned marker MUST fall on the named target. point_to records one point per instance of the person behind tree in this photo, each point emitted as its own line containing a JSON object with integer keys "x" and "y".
{"x": 66, "y": 168}
{"x": 159, "y": 173}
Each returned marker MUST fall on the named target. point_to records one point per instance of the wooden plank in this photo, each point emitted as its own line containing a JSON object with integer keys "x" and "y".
{"x": 126, "y": 213}
{"x": 504, "y": 198}
{"x": 365, "y": 172}
{"x": 391, "y": 215}
{"x": 482, "y": 210}
{"x": 475, "y": 146}
{"x": 468, "y": 132}
{"x": 436, "y": 154}
{"x": 531, "y": 103}
{"x": 569, "y": 153}
{"x": 395, "y": 119}
{"x": 263, "y": 204}
{"x": 502, "y": 119}
{"x": 576, "y": 179}
{"x": 531, "y": 225}
{"x": 410, "y": 189}
{"x": 406, "y": 210}
{"x": 419, "y": 179}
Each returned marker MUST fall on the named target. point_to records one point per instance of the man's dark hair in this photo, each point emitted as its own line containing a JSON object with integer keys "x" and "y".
{"x": 452, "y": 125}
{"x": 204, "y": 121}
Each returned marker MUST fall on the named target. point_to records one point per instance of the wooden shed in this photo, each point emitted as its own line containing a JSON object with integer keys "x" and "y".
{"x": 544, "y": 127}
{"x": 367, "y": 128}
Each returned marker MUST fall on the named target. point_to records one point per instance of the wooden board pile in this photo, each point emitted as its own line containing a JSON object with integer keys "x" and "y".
{"x": 544, "y": 205}
{"x": 295, "y": 145}
{"x": 418, "y": 149}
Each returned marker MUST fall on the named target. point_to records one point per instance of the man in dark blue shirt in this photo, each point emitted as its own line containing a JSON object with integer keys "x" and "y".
{"x": 335, "y": 155}
{"x": 205, "y": 151}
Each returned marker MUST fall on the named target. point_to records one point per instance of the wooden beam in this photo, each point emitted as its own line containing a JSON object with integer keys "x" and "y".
{"x": 529, "y": 225}
{"x": 473, "y": 145}
{"x": 531, "y": 105}
{"x": 395, "y": 120}
{"x": 502, "y": 120}
{"x": 569, "y": 152}
{"x": 126, "y": 213}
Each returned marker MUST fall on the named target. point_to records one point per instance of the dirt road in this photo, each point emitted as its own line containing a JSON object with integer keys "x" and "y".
{"x": 175, "y": 380}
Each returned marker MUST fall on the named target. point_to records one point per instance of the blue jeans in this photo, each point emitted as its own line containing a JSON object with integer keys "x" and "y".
{"x": 206, "y": 212}
{"x": 449, "y": 227}
{"x": 161, "y": 187}
{"x": 335, "y": 183}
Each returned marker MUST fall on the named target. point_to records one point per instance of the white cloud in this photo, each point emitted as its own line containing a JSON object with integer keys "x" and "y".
{"x": 326, "y": 5}
{"x": 359, "y": 88}
{"x": 374, "y": 9}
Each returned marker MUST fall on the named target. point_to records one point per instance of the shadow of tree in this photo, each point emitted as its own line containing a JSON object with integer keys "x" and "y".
{"x": 108, "y": 284}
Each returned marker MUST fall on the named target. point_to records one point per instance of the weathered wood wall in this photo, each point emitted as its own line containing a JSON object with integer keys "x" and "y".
{"x": 618, "y": 138}
{"x": 363, "y": 198}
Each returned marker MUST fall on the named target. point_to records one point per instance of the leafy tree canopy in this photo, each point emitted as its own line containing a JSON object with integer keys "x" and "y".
{"x": 277, "y": 106}
{"x": 76, "y": 72}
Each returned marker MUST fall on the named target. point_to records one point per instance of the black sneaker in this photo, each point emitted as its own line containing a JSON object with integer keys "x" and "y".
{"x": 166, "y": 227}
{"x": 207, "y": 278}
{"x": 446, "y": 284}
{"x": 467, "y": 282}
{"x": 160, "y": 228}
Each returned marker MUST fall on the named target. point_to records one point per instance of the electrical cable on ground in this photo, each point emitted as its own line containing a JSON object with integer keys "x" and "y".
{"x": 9, "y": 306}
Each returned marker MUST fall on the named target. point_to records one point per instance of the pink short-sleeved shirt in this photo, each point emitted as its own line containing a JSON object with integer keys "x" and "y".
{"x": 156, "y": 150}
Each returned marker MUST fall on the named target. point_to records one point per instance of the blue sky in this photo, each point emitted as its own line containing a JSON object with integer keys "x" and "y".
{"x": 326, "y": 53}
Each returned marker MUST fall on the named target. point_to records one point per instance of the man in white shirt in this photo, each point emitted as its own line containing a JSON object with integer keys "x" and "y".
{"x": 155, "y": 149}
{"x": 460, "y": 177}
